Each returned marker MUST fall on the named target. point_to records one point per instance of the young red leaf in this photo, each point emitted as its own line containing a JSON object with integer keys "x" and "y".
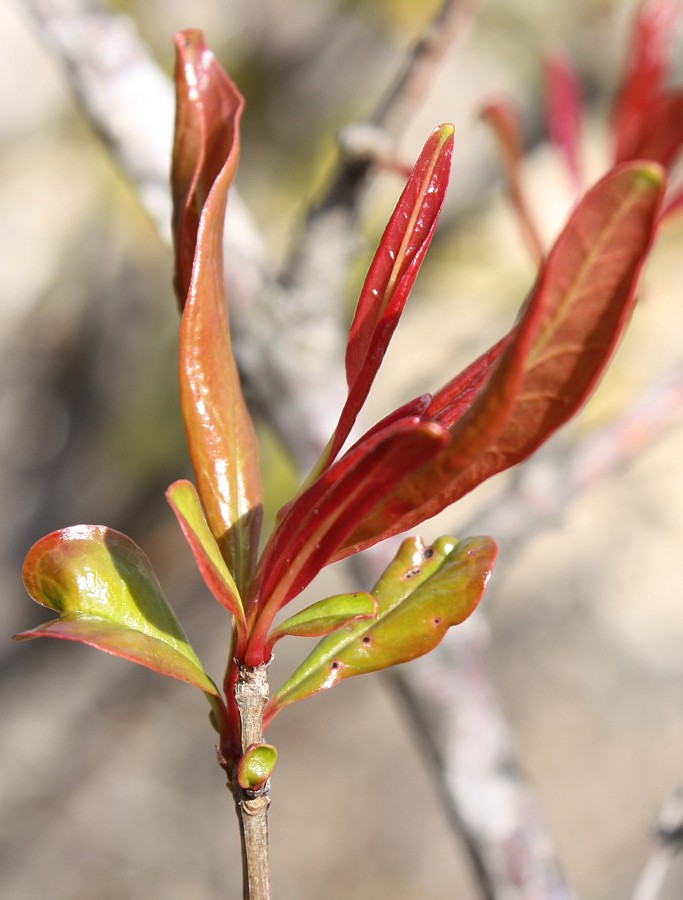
{"x": 184, "y": 502}
{"x": 220, "y": 433}
{"x": 319, "y": 521}
{"x": 103, "y": 587}
{"x": 504, "y": 119}
{"x": 392, "y": 274}
{"x": 552, "y": 358}
{"x": 563, "y": 114}
{"x": 423, "y": 592}
{"x": 647, "y": 61}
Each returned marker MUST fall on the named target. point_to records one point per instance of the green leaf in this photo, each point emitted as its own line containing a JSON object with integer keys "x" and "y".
{"x": 103, "y": 587}
{"x": 255, "y": 766}
{"x": 185, "y": 503}
{"x": 324, "y": 616}
{"x": 219, "y": 430}
{"x": 423, "y": 592}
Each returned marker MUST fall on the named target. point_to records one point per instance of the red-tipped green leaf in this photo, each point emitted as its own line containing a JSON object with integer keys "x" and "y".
{"x": 392, "y": 274}
{"x": 220, "y": 433}
{"x": 325, "y": 616}
{"x": 103, "y": 587}
{"x": 503, "y": 118}
{"x": 318, "y": 523}
{"x": 184, "y": 502}
{"x": 563, "y": 114}
{"x": 424, "y": 592}
{"x": 256, "y": 766}
{"x": 550, "y": 361}
{"x": 641, "y": 87}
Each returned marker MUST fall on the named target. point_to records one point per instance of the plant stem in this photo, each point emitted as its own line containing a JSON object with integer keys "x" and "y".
{"x": 251, "y": 694}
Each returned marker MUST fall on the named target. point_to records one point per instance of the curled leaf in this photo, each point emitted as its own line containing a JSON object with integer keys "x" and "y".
{"x": 103, "y": 587}
{"x": 422, "y": 593}
{"x": 219, "y": 431}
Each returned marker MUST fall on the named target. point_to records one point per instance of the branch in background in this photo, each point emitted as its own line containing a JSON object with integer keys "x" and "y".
{"x": 669, "y": 844}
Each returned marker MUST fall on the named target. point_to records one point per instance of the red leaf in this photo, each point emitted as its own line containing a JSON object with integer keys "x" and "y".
{"x": 504, "y": 119}
{"x": 392, "y": 274}
{"x": 552, "y": 358}
{"x": 219, "y": 430}
{"x": 320, "y": 520}
{"x": 664, "y": 136}
{"x": 641, "y": 87}
{"x": 563, "y": 114}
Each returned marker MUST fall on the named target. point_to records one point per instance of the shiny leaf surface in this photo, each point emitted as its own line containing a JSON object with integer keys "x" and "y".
{"x": 103, "y": 587}
{"x": 392, "y": 274}
{"x": 543, "y": 372}
{"x": 423, "y": 592}
{"x": 184, "y": 501}
{"x": 219, "y": 431}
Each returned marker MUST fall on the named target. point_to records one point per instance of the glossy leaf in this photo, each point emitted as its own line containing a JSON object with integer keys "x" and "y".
{"x": 563, "y": 114}
{"x": 317, "y": 524}
{"x": 503, "y": 117}
{"x": 220, "y": 433}
{"x": 424, "y": 592}
{"x": 539, "y": 376}
{"x": 256, "y": 766}
{"x": 103, "y": 587}
{"x": 184, "y": 501}
{"x": 391, "y": 275}
{"x": 324, "y": 616}
{"x": 647, "y": 62}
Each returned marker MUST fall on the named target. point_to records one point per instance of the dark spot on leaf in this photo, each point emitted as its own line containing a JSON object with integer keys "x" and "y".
{"x": 366, "y": 639}
{"x": 334, "y": 665}
{"x": 437, "y": 621}
{"x": 411, "y": 573}
{"x": 427, "y": 553}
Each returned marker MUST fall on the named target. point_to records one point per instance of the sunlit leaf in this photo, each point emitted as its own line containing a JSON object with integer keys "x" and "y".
{"x": 324, "y": 616}
{"x": 543, "y": 372}
{"x": 424, "y": 592}
{"x": 103, "y": 587}
{"x": 391, "y": 275}
{"x": 256, "y": 766}
{"x": 184, "y": 501}
{"x": 316, "y": 525}
{"x": 220, "y": 433}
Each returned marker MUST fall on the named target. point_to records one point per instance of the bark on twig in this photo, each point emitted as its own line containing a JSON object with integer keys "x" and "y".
{"x": 669, "y": 844}
{"x": 251, "y": 696}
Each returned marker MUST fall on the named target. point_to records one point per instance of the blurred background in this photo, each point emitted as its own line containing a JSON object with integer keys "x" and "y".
{"x": 108, "y": 782}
